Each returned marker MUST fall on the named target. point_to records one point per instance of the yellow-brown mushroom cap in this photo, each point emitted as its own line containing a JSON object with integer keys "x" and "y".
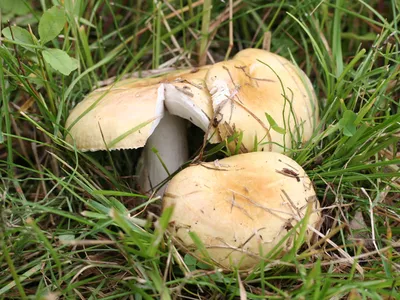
{"x": 238, "y": 204}
{"x": 256, "y": 82}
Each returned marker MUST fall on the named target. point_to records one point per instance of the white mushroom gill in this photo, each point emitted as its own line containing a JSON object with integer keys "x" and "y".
{"x": 159, "y": 109}
{"x": 179, "y": 103}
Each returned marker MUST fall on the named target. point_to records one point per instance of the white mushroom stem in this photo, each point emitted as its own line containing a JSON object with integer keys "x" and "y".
{"x": 170, "y": 142}
{"x": 169, "y": 136}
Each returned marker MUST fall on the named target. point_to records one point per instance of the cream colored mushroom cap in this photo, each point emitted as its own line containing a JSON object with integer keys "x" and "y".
{"x": 123, "y": 115}
{"x": 259, "y": 82}
{"x": 238, "y": 204}
{"x": 115, "y": 118}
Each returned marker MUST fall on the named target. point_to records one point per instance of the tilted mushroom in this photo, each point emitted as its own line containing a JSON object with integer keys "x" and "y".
{"x": 240, "y": 205}
{"x": 125, "y": 115}
{"x": 256, "y": 82}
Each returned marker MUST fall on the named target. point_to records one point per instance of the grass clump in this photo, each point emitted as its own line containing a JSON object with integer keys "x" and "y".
{"x": 73, "y": 225}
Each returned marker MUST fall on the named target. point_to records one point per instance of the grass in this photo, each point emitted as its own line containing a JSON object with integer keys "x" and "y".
{"x": 64, "y": 227}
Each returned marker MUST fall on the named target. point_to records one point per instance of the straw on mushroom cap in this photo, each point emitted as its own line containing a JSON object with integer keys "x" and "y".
{"x": 256, "y": 82}
{"x": 168, "y": 77}
{"x": 239, "y": 205}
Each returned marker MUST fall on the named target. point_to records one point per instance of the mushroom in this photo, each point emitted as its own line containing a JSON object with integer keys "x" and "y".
{"x": 256, "y": 82}
{"x": 240, "y": 207}
{"x": 127, "y": 114}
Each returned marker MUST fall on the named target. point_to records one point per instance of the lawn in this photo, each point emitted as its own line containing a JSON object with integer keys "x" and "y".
{"x": 74, "y": 224}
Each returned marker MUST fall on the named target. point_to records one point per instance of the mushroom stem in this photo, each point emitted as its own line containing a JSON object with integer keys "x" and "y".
{"x": 165, "y": 152}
